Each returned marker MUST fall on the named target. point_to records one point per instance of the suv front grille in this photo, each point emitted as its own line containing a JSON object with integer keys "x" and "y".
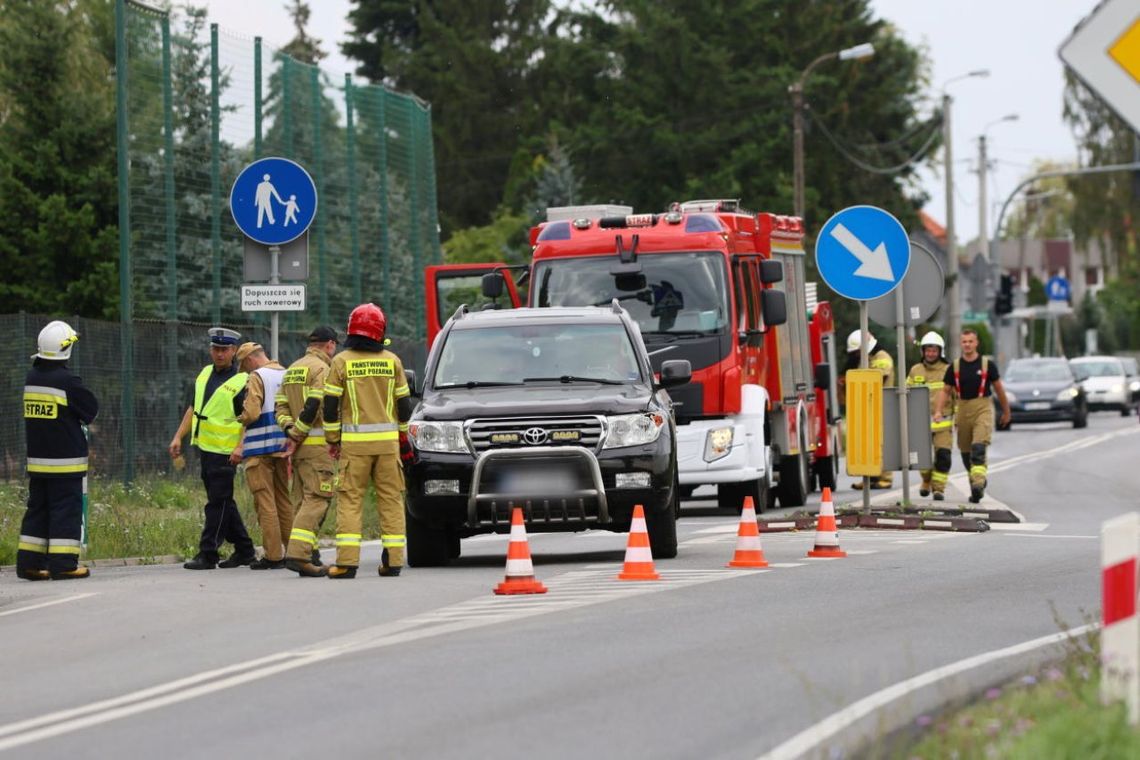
{"x": 524, "y": 432}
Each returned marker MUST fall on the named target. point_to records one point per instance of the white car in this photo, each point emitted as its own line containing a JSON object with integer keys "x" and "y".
{"x": 1106, "y": 383}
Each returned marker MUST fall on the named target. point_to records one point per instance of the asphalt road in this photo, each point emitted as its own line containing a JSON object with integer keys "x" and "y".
{"x": 709, "y": 662}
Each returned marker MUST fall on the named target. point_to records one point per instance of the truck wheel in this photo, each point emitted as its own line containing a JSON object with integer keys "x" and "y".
{"x": 793, "y": 480}
{"x": 731, "y": 495}
{"x": 661, "y": 523}
{"x": 453, "y": 547}
{"x": 427, "y": 546}
{"x": 826, "y": 470}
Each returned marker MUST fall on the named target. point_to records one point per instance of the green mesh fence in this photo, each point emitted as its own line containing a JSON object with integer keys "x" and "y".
{"x": 168, "y": 356}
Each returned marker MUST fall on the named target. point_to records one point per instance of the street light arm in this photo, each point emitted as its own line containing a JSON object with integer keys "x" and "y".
{"x": 799, "y": 85}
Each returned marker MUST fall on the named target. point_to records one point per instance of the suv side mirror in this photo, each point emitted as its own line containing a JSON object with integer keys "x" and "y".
{"x": 492, "y": 285}
{"x": 675, "y": 372}
{"x": 774, "y": 307}
{"x": 822, "y": 376}
{"x": 410, "y": 375}
{"x": 771, "y": 271}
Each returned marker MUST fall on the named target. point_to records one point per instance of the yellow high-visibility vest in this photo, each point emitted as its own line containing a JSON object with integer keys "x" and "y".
{"x": 215, "y": 428}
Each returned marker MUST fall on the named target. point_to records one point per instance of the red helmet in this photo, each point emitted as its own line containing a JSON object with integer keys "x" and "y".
{"x": 368, "y": 320}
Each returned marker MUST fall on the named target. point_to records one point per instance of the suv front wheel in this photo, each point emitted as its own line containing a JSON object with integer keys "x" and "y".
{"x": 661, "y": 523}
{"x": 427, "y": 546}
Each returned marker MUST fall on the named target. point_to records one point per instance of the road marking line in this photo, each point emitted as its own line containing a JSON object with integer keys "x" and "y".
{"x": 858, "y": 552}
{"x": 719, "y": 529}
{"x": 48, "y": 603}
{"x": 786, "y": 564}
{"x": 809, "y": 740}
{"x": 1044, "y": 535}
{"x": 1023, "y": 526}
{"x": 909, "y": 541}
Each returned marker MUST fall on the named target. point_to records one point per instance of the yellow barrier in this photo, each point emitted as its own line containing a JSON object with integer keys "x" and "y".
{"x": 864, "y": 422}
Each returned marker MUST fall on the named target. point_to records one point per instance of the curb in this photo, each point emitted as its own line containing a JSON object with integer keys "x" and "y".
{"x": 158, "y": 559}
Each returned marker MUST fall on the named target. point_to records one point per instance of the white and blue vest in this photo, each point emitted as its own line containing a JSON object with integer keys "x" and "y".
{"x": 265, "y": 436}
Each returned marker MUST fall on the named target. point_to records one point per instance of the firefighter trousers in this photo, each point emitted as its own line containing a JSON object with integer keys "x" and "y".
{"x": 975, "y": 430}
{"x": 53, "y": 523}
{"x": 268, "y": 479}
{"x": 314, "y": 483}
{"x": 223, "y": 520}
{"x": 386, "y": 473}
{"x": 935, "y": 479}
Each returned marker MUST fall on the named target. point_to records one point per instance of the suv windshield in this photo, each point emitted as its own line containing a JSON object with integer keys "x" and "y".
{"x": 1100, "y": 367}
{"x": 673, "y": 293}
{"x": 508, "y": 354}
{"x": 1028, "y": 372}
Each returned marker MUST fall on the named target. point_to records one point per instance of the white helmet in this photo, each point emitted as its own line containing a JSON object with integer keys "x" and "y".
{"x": 932, "y": 339}
{"x": 856, "y": 338}
{"x": 55, "y": 341}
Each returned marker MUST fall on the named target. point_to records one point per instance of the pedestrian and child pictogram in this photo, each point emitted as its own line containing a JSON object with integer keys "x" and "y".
{"x": 273, "y": 201}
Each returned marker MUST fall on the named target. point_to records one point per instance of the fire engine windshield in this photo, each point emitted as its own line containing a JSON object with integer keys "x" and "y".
{"x": 673, "y": 292}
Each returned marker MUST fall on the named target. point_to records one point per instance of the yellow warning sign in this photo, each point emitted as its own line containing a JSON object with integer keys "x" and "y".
{"x": 1126, "y": 50}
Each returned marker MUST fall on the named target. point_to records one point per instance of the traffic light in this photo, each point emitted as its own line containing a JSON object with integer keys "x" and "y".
{"x": 1004, "y": 302}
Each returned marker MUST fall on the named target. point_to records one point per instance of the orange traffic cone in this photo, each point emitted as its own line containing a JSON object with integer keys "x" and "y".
{"x": 638, "y": 556}
{"x": 748, "y": 551}
{"x": 826, "y": 532}
{"x": 520, "y": 570}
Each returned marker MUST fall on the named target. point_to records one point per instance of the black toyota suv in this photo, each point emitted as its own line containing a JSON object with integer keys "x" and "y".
{"x": 554, "y": 410}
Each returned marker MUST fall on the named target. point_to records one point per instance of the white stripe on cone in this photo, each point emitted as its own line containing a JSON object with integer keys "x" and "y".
{"x": 518, "y": 533}
{"x": 638, "y": 554}
{"x": 519, "y": 567}
{"x": 748, "y": 543}
{"x": 827, "y": 538}
{"x": 637, "y": 525}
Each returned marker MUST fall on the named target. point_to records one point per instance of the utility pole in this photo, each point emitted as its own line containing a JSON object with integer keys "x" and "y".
{"x": 982, "y": 202}
{"x": 955, "y": 322}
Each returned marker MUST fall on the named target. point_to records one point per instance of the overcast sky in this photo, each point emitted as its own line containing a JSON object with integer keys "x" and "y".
{"x": 1016, "y": 40}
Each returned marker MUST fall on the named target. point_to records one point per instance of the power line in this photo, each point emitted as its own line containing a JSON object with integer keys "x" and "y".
{"x": 895, "y": 169}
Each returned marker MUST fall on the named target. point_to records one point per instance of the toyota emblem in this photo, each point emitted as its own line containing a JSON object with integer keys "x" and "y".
{"x": 535, "y": 436}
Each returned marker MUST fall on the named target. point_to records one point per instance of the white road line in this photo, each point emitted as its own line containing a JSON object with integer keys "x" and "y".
{"x": 48, "y": 603}
{"x": 1045, "y": 535}
{"x": 860, "y": 552}
{"x": 810, "y": 739}
{"x": 1019, "y": 527}
{"x": 909, "y": 541}
{"x": 719, "y": 529}
{"x": 786, "y": 564}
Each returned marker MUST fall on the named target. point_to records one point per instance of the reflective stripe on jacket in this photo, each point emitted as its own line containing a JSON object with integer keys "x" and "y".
{"x": 263, "y": 436}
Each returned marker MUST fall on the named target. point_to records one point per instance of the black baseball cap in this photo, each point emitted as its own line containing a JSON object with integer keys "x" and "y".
{"x": 322, "y": 334}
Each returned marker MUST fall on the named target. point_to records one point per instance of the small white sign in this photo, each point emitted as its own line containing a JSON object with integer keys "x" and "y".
{"x": 272, "y": 297}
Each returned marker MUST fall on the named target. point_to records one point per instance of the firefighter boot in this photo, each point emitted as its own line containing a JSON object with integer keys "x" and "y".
{"x": 71, "y": 575}
{"x": 338, "y": 572}
{"x": 305, "y": 569}
{"x": 385, "y": 570}
{"x": 201, "y": 562}
{"x": 315, "y": 557}
{"x": 924, "y": 488}
{"x": 33, "y": 575}
{"x": 237, "y": 560}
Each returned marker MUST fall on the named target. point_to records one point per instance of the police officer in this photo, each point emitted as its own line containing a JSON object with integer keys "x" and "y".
{"x": 56, "y": 407}
{"x": 263, "y": 449}
{"x": 929, "y": 372}
{"x": 214, "y": 429}
{"x": 878, "y": 359}
{"x": 367, "y": 404}
{"x": 974, "y": 378}
{"x": 314, "y": 473}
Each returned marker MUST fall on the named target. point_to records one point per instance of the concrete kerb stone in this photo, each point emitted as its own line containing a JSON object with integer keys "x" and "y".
{"x": 893, "y": 518}
{"x": 158, "y": 559}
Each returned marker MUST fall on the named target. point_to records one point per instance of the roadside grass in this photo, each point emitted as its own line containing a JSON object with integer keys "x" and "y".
{"x": 1054, "y": 712}
{"x": 157, "y": 515}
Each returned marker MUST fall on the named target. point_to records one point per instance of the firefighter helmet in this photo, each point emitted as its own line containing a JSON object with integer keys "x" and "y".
{"x": 55, "y": 341}
{"x": 368, "y": 320}
{"x": 932, "y": 339}
{"x": 856, "y": 337}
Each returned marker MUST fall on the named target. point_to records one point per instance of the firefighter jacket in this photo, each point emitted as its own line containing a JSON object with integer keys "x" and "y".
{"x": 216, "y": 428}
{"x": 56, "y": 407}
{"x": 262, "y": 435}
{"x": 882, "y": 361}
{"x": 360, "y": 405}
{"x": 298, "y": 402}
{"x": 931, "y": 376}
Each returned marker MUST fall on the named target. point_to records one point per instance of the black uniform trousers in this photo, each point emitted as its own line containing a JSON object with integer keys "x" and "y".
{"x": 52, "y": 525}
{"x": 223, "y": 521}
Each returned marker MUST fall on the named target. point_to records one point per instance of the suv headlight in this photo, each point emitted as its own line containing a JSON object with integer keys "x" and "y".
{"x": 445, "y": 437}
{"x": 718, "y": 443}
{"x": 1068, "y": 393}
{"x": 632, "y": 429}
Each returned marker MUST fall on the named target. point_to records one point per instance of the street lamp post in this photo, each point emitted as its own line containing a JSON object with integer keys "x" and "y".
{"x": 955, "y": 311}
{"x": 983, "y": 232}
{"x": 866, "y": 50}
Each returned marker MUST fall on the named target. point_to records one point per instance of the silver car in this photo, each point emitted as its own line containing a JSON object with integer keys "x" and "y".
{"x": 1106, "y": 383}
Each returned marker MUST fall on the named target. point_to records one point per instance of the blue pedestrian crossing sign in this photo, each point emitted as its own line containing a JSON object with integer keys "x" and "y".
{"x": 1057, "y": 289}
{"x": 273, "y": 201}
{"x": 862, "y": 253}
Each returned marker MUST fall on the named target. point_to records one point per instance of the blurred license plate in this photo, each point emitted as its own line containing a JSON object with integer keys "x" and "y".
{"x": 538, "y": 482}
{"x": 1036, "y": 406}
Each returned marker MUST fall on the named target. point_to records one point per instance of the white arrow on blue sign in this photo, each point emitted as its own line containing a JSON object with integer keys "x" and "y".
{"x": 273, "y": 201}
{"x": 862, "y": 253}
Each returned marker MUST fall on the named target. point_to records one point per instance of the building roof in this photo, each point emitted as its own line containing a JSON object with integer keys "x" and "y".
{"x": 933, "y": 228}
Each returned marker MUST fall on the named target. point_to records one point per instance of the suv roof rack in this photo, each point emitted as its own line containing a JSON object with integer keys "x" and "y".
{"x": 461, "y": 312}
{"x": 617, "y": 309}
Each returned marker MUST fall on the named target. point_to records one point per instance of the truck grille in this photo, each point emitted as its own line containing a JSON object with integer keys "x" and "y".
{"x": 524, "y": 432}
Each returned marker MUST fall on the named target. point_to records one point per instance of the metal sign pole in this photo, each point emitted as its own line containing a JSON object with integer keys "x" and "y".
{"x": 864, "y": 363}
{"x": 275, "y": 318}
{"x": 904, "y": 441}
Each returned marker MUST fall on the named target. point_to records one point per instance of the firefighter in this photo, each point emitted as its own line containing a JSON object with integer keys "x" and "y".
{"x": 57, "y": 406}
{"x": 216, "y": 432}
{"x": 929, "y": 372}
{"x": 314, "y": 473}
{"x": 878, "y": 359}
{"x": 263, "y": 450}
{"x": 367, "y": 404}
{"x": 974, "y": 378}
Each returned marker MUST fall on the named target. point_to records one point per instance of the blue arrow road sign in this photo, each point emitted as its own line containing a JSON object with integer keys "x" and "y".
{"x": 273, "y": 201}
{"x": 862, "y": 253}
{"x": 1057, "y": 289}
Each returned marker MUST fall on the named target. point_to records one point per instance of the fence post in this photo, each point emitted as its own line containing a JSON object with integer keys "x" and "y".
{"x": 256, "y": 98}
{"x": 414, "y": 202}
{"x": 125, "y": 304}
{"x": 169, "y": 203}
{"x": 1120, "y": 631}
{"x": 319, "y": 179}
{"x": 385, "y": 240}
{"x": 353, "y": 211}
{"x": 433, "y": 210}
{"x": 215, "y": 175}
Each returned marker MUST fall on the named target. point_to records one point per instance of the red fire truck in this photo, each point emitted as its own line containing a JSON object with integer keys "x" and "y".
{"x": 708, "y": 282}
